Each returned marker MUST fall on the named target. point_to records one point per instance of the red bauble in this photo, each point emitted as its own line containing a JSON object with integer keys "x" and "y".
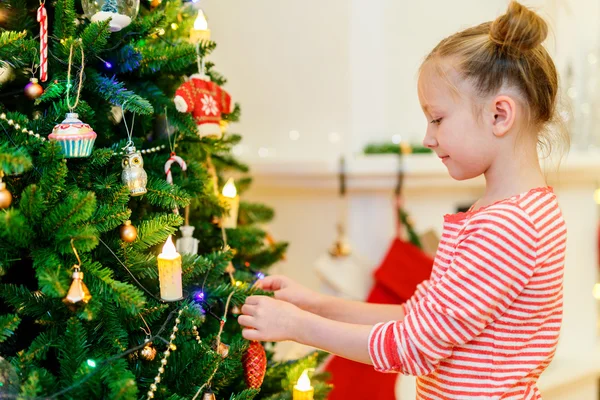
{"x": 255, "y": 365}
{"x": 33, "y": 90}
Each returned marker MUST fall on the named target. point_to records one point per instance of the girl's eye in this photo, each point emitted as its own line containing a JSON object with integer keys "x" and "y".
{"x": 436, "y": 121}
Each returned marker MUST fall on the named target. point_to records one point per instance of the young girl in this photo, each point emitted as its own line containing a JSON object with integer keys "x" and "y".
{"x": 486, "y": 323}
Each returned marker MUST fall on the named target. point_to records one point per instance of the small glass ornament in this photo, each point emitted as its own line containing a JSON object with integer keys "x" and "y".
{"x": 76, "y": 138}
{"x": 120, "y": 12}
{"x": 134, "y": 176}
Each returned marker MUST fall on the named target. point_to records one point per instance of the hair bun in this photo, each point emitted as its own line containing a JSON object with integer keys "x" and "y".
{"x": 519, "y": 29}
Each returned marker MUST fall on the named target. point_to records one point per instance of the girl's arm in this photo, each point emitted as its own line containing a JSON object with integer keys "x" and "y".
{"x": 358, "y": 312}
{"x": 267, "y": 319}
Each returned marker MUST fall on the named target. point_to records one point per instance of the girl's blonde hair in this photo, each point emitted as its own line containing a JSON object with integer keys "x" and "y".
{"x": 508, "y": 52}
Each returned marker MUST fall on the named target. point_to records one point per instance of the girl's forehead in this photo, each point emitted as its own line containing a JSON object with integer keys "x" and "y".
{"x": 440, "y": 81}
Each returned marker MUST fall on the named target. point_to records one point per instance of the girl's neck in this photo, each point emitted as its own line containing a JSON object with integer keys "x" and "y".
{"x": 512, "y": 175}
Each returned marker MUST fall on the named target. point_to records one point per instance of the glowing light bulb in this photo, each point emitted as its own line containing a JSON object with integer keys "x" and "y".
{"x": 169, "y": 250}
{"x": 200, "y": 24}
{"x": 229, "y": 190}
{"x": 304, "y": 382}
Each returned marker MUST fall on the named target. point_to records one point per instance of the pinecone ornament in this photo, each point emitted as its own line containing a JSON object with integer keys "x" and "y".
{"x": 255, "y": 365}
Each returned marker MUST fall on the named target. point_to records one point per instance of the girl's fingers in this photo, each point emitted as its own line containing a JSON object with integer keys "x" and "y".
{"x": 246, "y": 320}
{"x": 247, "y": 309}
{"x": 251, "y": 334}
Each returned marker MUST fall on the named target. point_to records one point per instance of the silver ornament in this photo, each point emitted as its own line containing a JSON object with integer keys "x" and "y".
{"x": 133, "y": 175}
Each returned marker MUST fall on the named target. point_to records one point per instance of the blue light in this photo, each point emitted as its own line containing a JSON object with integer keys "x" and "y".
{"x": 260, "y": 275}
{"x": 199, "y": 296}
{"x": 108, "y": 65}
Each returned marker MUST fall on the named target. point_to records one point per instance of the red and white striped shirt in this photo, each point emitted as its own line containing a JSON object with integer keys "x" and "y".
{"x": 486, "y": 324}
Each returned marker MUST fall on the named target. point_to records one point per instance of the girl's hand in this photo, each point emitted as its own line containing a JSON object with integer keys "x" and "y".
{"x": 287, "y": 289}
{"x": 269, "y": 320}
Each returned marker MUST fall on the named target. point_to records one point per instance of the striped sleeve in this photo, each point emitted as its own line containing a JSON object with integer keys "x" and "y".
{"x": 420, "y": 291}
{"x": 494, "y": 259}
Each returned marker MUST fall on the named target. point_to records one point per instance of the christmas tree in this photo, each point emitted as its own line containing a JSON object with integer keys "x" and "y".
{"x": 124, "y": 255}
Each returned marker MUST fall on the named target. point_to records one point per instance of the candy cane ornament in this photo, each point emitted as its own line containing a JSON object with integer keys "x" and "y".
{"x": 174, "y": 159}
{"x": 42, "y": 18}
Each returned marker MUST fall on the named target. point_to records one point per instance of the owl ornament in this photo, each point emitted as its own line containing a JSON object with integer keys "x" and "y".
{"x": 133, "y": 175}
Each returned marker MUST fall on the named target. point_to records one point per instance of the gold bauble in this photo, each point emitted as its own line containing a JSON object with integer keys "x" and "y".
{"x": 222, "y": 350}
{"x": 78, "y": 295}
{"x": 5, "y": 196}
{"x": 128, "y": 232}
{"x": 33, "y": 90}
{"x": 148, "y": 352}
{"x": 208, "y": 395}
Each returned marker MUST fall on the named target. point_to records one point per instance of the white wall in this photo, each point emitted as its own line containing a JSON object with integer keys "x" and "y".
{"x": 349, "y": 67}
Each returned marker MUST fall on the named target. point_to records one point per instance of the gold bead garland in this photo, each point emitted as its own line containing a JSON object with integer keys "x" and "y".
{"x": 166, "y": 354}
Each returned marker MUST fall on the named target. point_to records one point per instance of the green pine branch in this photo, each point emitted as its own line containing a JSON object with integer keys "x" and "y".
{"x": 95, "y": 37}
{"x": 155, "y": 230}
{"x": 127, "y": 60}
{"x": 173, "y": 59}
{"x": 126, "y": 296}
{"x": 113, "y": 333}
{"x": 247, "y": 394}
{"x": 8, "y": 325}
{"x": 253, "y": 213}
{"x": 119, "y": 380}
{"x": 64, "y": 19}
{"x": 32, "y": 203}
{"x": 73, "y": 350}
{"x": 13, "y": 160}
{"x": 53, "y": 277}
{"x": 38, "y": 349}
{"x": 54, "y": 91}
{"x": 115, "y": 92}
{"x": 32, "y": 387}
{"x": 75, "y": 208}
{"x": 32, "y": 304}
{"x": 163, "y": 194}
{"x": 15, "y": 228}
{"x": 143, "y": 25}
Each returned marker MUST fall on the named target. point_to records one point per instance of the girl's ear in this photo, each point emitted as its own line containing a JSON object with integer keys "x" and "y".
{"x": 503, "y": 113}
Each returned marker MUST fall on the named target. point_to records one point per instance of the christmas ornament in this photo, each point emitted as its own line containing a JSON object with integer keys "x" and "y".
{"x": 134, "y": 176}
{"x": 75, "y": 137}
{"x": 78, "y": 294}
{"x": 9, "y": 380}
{"x": 5, "y": 195}
{"x": 209, "y": 395}
{"x": 230, "y": 197}
{"x": 303, "y": 389}
{"x": 6, "y": 73}
{"x": 255, "y": 365}
{"x": 206, "y": 101}
{"x": 200, "y": 31}
{"x": 148, "y": 353}
{"x": 42, "y": 18}
{"x": 128, "y": 232}
{"x": 120, "y": 12}
{"x": 341, "y": 247}
{"x": 187, "y": 244}
{"x": 33, "y": 89}
{"x": 174, "y": 158}
{"x": 222, "y": 349}
{"x": 169, "y": 272}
